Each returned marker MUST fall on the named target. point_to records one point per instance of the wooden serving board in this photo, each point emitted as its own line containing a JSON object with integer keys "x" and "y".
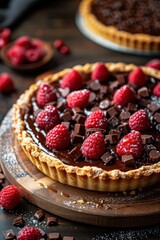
{"x": 97, "y": 208}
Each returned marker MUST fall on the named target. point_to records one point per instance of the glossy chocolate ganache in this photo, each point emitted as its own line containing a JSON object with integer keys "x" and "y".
{"x": 101, "y": 97}
{"x": 132, "y": 16}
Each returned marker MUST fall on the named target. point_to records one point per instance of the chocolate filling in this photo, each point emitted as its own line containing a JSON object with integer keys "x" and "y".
{"x": 132, "y": 16}
{"x": 117, "y": 125}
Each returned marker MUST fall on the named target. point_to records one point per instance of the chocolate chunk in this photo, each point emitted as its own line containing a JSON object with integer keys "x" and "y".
{"x": 124, "y": 115}
{"x": 76, "y": 110}
{"x": 156, "y": 117}
{"x": 19, "y": 222}
{"x": 124, "y": 128}
{"x": 75, "y": 153}
{"x": 79, "y": 129}
{"x": 143, "y": 92}
{"x": 128, "y": 160}
{"x": 112, "y": 138}
{"x": 68, "y": 238}
{"x": 132, "y": 107}
{"x": 120, "y": 78}
{"x": 147, "y": 139}
{"x": 107, "y": 158}
{"x": 39, "y": 215}
{"x": 113, "y": 86}
{"x": 54, "y": 236}
{"x": 149, "y": 147}
{"x": 64, "y": 91}
{"x": 114, "y": 131}
{"x": 112, "y": 111}
{"x": 61, "y": 106}
{"x": 93, "y": 130}
{"x": 9, "y": 234}
{"x": 76, "y": 138}
{"x": 154, "y": 156}
{"x": 79, "y": 118}
{"x": 52, "y": 221}
{"x": 66, "y": 116}
{"x": 67, "y": 124}
{"x": 94, "y": 86}
{"x": 103, "y": 89}
{"x": 104, "y": 104}
{"x": 153, "y": 107}
{"x": 92, "y": 97}
{"x": 113, "y": 122}
{"x": 144, "y": 102}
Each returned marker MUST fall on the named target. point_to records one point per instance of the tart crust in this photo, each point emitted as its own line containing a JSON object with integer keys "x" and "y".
{"x": 87, "y": 177}
{"x": 138, "y": 41}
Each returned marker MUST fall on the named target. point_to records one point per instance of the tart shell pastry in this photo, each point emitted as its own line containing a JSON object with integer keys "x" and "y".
{"x": 137, "y": 41}
{"x": 87, "y": 177}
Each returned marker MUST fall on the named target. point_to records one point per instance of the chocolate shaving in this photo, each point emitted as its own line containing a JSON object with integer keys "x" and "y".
{"x": 128, "y": 160}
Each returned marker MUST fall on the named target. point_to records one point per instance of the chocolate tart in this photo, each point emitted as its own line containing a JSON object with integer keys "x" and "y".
{"x": 80, "y": 172}
{"x": 132, "y": 24}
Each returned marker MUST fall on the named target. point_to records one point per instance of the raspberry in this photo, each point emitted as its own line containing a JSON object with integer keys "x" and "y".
{"x": 6, "y": 83}
{"x": 139, "y": 121}
{"x": 100, "y": 73}
{"x": 16, "y": 55}
{"x": 58, "y": 43}
{"x": 78, "y": 98}
{"x": 5, "y": 33}
{"x": 73, "y": 80}
{"x": 46, "y": 93}
{"x": 124, "y": 95}
{"x": 155, "y": 63}
{"x": 9, "y": 197}
{"x": 32, "y": 55}
{"x": 58, "y": 137}
{"x": 156, "y": 90}
{"x": 38, "y": 44}
{"x": 64, "y": 50}
{"x": 29, "y": 233}
{"x": 137, "y": 77}
{"x": 130, "y": 144}
{"x": 24, "y": 42}
{"x": 48, "y": 118}
{"x": 2, "y": 43}
{"x": 97, "y": 119}
{"x": 93, "y": 146}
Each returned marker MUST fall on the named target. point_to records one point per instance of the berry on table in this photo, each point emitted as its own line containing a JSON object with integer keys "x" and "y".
{"x": 6, "y": 83}
{"x": 29, "y": 233}
{"x": 9, "y": 197}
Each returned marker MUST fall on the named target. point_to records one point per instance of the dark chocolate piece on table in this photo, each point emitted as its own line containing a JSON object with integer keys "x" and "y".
{"x": 79, "y": 118}
{"x": 132, "y": 107}
{"x": 76, "y": 138}
{"x": 52, "y": 221}
{"x": 79, "y": 129}
{"x": 112, "y": 111}
{"x": 19, "y": 222}
{"x": 66, "y": 117}
{"x": 39, "y": 215}
{"x": 9, "y": 234}
{"x": 54, "y": 236}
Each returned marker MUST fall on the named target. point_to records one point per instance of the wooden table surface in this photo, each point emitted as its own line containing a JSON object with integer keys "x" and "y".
{"x": 50, "y": 21}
